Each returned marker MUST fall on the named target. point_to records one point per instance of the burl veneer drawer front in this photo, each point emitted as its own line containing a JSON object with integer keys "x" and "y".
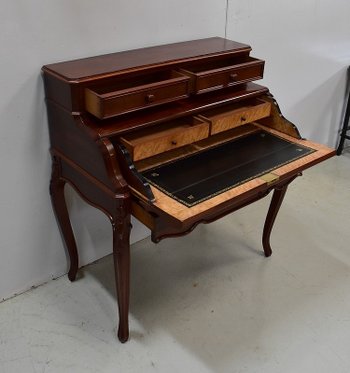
{"x": 168, "y": 136}
{"x": 138, "y": 93}
{"x": 220, "y": 74}
{"x": 230, "y": 116}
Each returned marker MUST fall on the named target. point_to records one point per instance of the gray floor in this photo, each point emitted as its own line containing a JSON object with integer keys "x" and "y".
{"x": 207, "y": 302}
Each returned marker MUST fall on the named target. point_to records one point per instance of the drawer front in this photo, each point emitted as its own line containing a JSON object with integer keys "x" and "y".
{"x": 226, "y": 118}
{"x": 144, "y": 98}
{"x": 175, "y": 135}
{"x": 227, "y": 76}
{"x": 110, "y": 104}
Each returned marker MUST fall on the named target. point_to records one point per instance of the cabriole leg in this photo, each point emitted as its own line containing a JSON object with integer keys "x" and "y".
{"x": 275, "y": 205}
{"x": 60, "y": 208}
{"x": 121, "y": 255}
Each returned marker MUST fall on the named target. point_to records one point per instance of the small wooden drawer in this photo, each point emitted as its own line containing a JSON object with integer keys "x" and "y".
{"x": 230, "y": 116}
{"x": 168, "y": 136}
{"x": 220, "y": 74}
{"x": 134, "y": 94}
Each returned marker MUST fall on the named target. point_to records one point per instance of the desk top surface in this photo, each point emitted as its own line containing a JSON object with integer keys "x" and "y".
{"x": 129, "y": 60}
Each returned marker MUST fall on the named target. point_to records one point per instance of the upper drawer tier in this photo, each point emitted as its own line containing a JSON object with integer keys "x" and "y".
{"x": 212, "y": 75}
{"x": 136, "y": 93}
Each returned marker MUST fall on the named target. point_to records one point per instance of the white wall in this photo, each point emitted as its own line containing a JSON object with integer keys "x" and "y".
{"x": 37, "y": 32}
{"x": 306, "y": 45}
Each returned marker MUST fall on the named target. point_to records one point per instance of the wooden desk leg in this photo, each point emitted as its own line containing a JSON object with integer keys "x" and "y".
{"x": 121, "y": 254}
{"x": 60, "y": 208}
{"x": 275, "y": 205}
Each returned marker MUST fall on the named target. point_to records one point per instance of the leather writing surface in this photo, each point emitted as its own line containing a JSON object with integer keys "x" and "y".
{"x": 201, "y": 176}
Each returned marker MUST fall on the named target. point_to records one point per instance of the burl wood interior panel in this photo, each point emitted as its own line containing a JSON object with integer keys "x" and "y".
{"x": 168, "y": 136}
{"x": 230, "y": 116}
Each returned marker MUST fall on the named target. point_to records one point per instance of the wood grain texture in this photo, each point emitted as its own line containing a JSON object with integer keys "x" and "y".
{"x": 155, "y": 116}
{"x": 277, "y": 121}
{"x": 183, "y": 213}
{"x": 69, "y": 136}
{"x": 213, "y": 75}
{"x": 121, "y": 254}
{"x": 131, "y": 175}
{"x": 142, "y": 215}
{"x": 322, "y": 153}
{"x": 231, "y": 116}
{"x": 275, "y": 204}
{"x": 195, "y": 147}
{"x": 127, "y": 61}
{"x": 59, "y": 206}
{"x": 172, "y": 135}
{"x": 108, "y": 102}
{"x": 88, "y": 154}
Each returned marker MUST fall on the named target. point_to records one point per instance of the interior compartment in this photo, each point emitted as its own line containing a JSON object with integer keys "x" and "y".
{"x": 230, "y": 116}
{"x": 170, "y": 135}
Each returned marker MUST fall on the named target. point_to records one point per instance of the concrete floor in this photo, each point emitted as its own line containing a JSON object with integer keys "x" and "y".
{"x": 207, "y": 302}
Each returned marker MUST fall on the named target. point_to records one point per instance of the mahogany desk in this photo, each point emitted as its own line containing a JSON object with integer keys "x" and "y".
{"x": 175, "y": 135}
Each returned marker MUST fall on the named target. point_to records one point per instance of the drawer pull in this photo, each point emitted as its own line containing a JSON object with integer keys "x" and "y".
{"x": 173, "y": 142}
{"x": 231, "y": 116}
{"x": 212, "y": 75}
{"x": 147, "y": 90}
{"x": 150, "y": 98}
{"x": 232, "y": 77}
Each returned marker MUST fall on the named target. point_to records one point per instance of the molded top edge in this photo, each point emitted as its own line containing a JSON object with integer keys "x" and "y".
{"x": 104, "y": 65}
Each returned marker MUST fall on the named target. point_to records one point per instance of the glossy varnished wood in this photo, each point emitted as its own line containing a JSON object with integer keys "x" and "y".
{"x": 57, "y": 184}
{"x": 110, "y": 117}
{"x": 227, "y": 117}
{"x": 276, "y": 202}
{"x": 163, "y": 55}
{"x": 154, "y": 116}
{"x": 223, "y": 73}
{"x": 162, "y": 88}
{"x": 170, "y": 135}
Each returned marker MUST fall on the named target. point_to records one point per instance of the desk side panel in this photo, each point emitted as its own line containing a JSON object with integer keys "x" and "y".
{"x": 70, "y": 138}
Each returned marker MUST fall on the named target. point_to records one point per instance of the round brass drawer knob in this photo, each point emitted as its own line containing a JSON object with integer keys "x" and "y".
{"x": 150, "y": 98}
{"x": 232, "y": 77}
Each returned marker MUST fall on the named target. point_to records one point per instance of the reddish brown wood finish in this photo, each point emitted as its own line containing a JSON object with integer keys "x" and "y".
{"x": 60, "y": 208}
{"x": 276, "y": 202}
{"x": 121, "y": 255}
{"x": 86, "y": 151}
{"x": 153, "y": 116}
{"x": 163, "y": 55}
{"x": 223, "y": 73}
{"x": 126, "y": 98}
